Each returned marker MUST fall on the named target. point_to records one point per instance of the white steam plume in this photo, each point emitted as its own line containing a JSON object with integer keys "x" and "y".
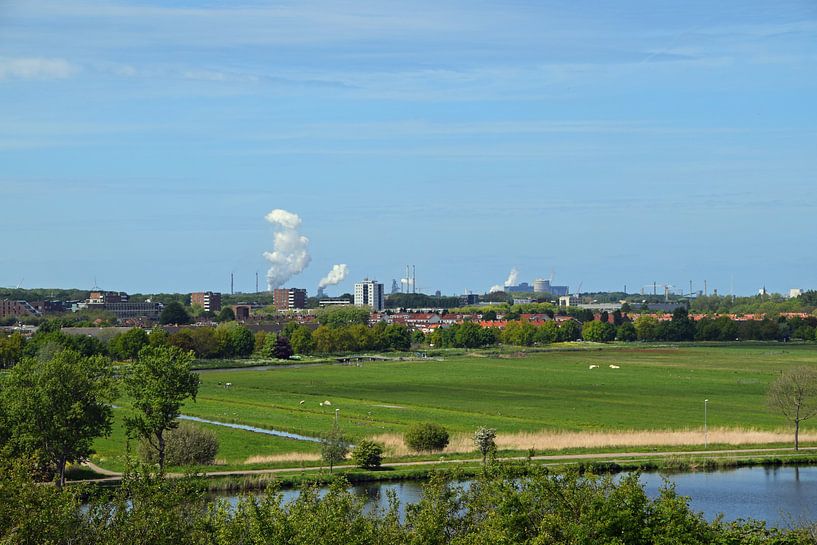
{"x": 335, "y": 276}
{"x": 495, "y": 288}
{"x": 513, "y": 278}
{"x": 289, "y": 255}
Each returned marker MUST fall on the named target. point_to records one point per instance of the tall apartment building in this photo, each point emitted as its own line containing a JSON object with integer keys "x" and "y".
{"x": 210, "y": 301}
{"x": 369, "y": 293}
{"x": 289, "y": 298}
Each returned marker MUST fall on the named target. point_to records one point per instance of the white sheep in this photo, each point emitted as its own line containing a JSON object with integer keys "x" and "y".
{"x": 327, "y": 403}
{"x": 301, "y": 402}
{"x": 594, "y": 367}
{"x": 228, "y": 384}
{"x": 614, "y": 366}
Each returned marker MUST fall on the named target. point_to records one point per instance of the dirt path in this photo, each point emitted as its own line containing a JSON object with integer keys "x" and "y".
{"x": 554, "y": 459}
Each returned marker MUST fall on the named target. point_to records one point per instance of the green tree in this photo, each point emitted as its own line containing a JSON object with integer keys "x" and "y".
{"x": 301, "y": 340}
{"x": 344, "y": 315}
{"x": 204, "y": 342}
{"x": 626, "y": 332}
{"x": 158, "y": 382}
{"x": 234, "y": 340}
{"x": 600, "y": 332}
{"x": 570, "y": 330}
{"x": 646, "y": 327}
{"x": 547, "y": 333}
{"x": 397, "y": 337}
{"x": 11, "y": 349}
{"x": 158, "y": 337}
{"x": 226, "y": 314}
{"x": 56, "y": 408}
{"x": 426, "y": 437}
{"x": 174, "y": 313}
{"x": 519, "y": 334}
{"x": 484, "y": 440}
{"x": 127, "y": 345}
{"x": 467, "y": 335}
{"x": 794, "y": 395}
{"x": 368, "y": 454}
{"x": 334, "y": 446}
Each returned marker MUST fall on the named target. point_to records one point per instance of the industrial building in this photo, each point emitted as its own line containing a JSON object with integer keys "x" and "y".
{"x": 118, "y": 302}
{"x": 16, "y": 308}
{"x": 289, "y": 298}
{"x": 369, "y": 293}
{"x": 210, "y": 301}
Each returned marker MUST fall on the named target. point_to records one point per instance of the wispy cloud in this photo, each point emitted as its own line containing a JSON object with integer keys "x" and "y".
{"x": 36, "y": 68}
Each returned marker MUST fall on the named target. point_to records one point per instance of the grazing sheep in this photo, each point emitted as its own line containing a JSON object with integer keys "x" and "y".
{"x": 327, "y": 403}
{"x": 228, "y": 384}
{"x": 614, "y": 366}
{"x": 301, "y": 402}
{"x": 594, "y": 367}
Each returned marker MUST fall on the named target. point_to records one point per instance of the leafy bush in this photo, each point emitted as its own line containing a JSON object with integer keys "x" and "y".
{"x": 368, "y": 454}
{"x": 427, "y": 437}
{"x": 185, "y": 445}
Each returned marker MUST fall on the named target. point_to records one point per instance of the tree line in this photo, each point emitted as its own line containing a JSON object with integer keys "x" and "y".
{"x": 344, "y": 330}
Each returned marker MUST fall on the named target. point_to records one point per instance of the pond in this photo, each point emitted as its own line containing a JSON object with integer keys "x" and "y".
{"x": 782, "y": 496}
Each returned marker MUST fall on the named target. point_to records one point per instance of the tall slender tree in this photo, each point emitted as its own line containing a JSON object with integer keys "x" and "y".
{"x": 159, "y": 382}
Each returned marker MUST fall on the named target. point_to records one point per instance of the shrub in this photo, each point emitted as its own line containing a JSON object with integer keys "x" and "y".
{"x": 427, "y": 437}
{"x": 368, "y": 454}
{"x": 185, "y": 445}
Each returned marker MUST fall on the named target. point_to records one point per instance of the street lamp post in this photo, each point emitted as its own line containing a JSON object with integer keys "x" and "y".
{"x": 706, "y": 430}
{"x": 336, "y": 416}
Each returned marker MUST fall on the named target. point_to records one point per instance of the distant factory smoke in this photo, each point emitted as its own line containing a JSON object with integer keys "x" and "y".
{"x": 290, "y": 255}
{"x": 335, "y": 276}
{"x": 513, "y": 278}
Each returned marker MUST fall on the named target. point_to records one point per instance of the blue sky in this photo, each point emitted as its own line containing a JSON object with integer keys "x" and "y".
{"x": 607, "y": 143}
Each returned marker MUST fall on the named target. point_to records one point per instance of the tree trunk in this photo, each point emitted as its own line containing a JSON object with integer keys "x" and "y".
{"x": 797, "y": 434}
{"x": 161, "y": 440}
{"x": 61, "y": 471}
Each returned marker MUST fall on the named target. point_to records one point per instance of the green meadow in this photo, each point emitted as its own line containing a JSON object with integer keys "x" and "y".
{"x": 654, "y": 388}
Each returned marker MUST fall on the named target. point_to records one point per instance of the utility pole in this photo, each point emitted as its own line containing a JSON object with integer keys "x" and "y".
{"x": 256, "y": 281}
{"x": 232, "y": 292}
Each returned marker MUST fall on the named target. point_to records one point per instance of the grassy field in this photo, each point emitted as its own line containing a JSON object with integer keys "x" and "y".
{"x": 654, "y": 388}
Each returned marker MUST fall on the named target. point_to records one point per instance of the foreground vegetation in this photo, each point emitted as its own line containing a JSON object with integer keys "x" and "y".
{"x": 505, "y": 504}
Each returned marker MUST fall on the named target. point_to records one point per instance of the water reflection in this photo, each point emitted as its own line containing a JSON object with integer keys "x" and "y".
{"x": 782, "y": 496}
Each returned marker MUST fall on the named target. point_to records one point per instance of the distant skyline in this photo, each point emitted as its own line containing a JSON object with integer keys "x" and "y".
{"x": 604, "y": 143}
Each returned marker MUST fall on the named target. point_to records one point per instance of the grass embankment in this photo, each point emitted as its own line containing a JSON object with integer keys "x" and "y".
{"x": 535, "y": 400}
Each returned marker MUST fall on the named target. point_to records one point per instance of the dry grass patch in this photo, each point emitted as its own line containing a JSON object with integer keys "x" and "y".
{"x": 287, "y": 457}
{"x": 560, "y": 440}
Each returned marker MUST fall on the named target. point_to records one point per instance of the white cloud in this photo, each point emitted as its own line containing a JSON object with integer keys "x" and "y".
{"x": 36, "y": 68}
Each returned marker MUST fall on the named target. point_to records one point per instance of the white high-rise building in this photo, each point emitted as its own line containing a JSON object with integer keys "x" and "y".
{"x": 369, "y": 293}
